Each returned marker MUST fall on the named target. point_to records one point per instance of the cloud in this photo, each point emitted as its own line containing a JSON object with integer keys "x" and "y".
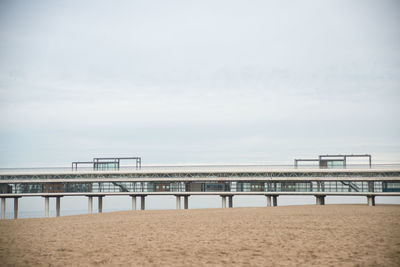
{"x": 210, "y": 80}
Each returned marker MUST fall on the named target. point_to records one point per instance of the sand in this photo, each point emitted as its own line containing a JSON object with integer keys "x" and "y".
{"x": 330, "y": 235}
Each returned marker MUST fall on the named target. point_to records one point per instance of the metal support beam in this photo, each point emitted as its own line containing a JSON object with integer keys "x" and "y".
{"x": 186, "y": 200}
{"x": 46, "y": 206}
{"x": 90, "y": 204}
{"x": 133, "y": 202}
{"x": 143, "y": 202}
{"x": 223, "y": 201}
{"x": 230, "y": 201}
{"x": 371, "y": 200}
{"x": 268, "y": 201}
{"x": 275, "y": 200}
{"x": 58, "y": 206}
{"x": 178, "y": 202}
{"x": 3, "y": 208}
{"x": 100, "y": 204}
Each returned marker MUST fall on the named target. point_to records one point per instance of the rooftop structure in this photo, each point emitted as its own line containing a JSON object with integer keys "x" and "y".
{"x": 107, "y": 163}
{"x": 334, "y": 161}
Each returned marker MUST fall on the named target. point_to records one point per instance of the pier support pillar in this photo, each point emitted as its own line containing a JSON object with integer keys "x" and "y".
{"x": 230, "y": 201}
{"x": 186, "y": 202}
{"x": 178, "y": 202}
{"x": 275, "y": 200}
{"x": 371, "y": 200}
{"x": 100, "y": 204}
{"x": 223, "y": 201}
{"x": 133, "y": 202}
{"x": 268, "y": 201}
{"x": 320, "y": 200}
{"x": 15, "y": 207}
{"x": 90, "y": 204}
{"x": 3, "y": 208}
{"x": 58, "y": 206}
{"x": 143, "y": 202}
{"x": 46, "y": 206}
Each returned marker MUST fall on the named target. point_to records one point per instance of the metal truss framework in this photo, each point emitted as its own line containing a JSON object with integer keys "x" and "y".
{"x": 342, "y": 182}
{"x": 320, "y": 174}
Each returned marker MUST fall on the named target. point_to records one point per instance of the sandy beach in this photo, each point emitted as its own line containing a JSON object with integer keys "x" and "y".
{"x": 333, "y": 235}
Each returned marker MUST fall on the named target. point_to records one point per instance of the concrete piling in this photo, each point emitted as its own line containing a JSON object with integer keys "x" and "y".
{"x": 275, "y": 200}
{"x": 15, "y": 207}
{"x": 320, "y": 200}
{"x": 186, "y": 200}
{"x": 268, "y": 201}
{"x": 178, "y": 202}
{"x": 58, "y": 206}
{"x": 133, "y": 202}
{"x": 230, "y": 201}
{"x": 3, "y": 208}
{"x": 46, "y": 206}
{"x": 143, "y": 203}
{"x": 100, "y": 204}
{"x": 223, "y": 201}
{"x": 90, "y": 204}
{"x": 371, "y": 200}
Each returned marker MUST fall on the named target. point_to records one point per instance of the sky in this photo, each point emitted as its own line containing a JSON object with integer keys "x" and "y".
{"x": 197, "y": 82}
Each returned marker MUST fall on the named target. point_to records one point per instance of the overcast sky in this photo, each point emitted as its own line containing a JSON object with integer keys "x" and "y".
{"x": 198, "y": 81}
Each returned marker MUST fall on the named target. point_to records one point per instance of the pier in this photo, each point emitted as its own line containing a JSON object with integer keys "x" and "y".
{"x": 226, "y": 182}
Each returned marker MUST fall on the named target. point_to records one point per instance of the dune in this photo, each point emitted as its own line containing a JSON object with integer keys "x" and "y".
{"x": 345, "y": 235}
